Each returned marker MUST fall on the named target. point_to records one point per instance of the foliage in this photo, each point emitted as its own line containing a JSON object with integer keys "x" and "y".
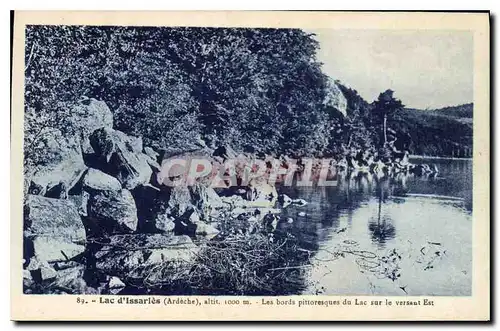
{"x": 385, "y": 106}
{"x": 464, "y": 111}
{"x": 437, "y": 132}
{"x": 179, "y": 86}
{"x": 190, "y": 87}
{"x": 433, "y": 132}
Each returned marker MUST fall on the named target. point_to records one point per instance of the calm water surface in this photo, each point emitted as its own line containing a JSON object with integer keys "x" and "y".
{"x": 395, "y": 236}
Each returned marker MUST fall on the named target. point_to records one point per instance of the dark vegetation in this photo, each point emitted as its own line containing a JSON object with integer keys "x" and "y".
{"x": 178, "y": 86}
{"x": 431, "y": 132}
{"x": 464, "y": 111}
{"x": 183, "y": 88}
{"x": 440, "y": 132}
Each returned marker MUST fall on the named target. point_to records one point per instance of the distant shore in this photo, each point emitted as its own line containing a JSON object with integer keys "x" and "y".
{"x": 439, "y": 157}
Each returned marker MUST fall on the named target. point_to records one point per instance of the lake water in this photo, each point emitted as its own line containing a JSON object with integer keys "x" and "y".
{"x": 396, "y": 236}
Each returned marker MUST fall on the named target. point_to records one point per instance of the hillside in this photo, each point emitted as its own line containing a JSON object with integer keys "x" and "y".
{"x": 438, "y": 132}
{"x": 464, "y": 111}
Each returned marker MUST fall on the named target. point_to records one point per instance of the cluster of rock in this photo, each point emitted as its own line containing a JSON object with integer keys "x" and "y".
{"x": 96, "y": 214}
{"x": 392, "y": 162}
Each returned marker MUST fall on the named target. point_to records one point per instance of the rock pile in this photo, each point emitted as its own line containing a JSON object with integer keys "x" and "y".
{"x": 96, "y": 214}
{"x": 387, "y": 161}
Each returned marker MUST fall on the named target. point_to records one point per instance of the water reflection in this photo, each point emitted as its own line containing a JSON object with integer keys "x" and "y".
{"x": 353, "y": 190}
{"x": 381, "y": 227}
{"x": 389, "y": 212}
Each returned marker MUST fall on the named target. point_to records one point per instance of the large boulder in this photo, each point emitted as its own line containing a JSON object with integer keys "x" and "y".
{"x": 206, "y": 200}
{"x": 81, "y": 202}
{"x": 121, "y": 156}
{"x": 160, "y": 209}
{"x": 153, "y": 164}
{"x": 171, "y": 216}
{"x": 153, "y": 209}
{"x": 169, "y": 208}
{"x": 41, "y": 270}
{"x": 262, "y": 193}
{"x": 113, "y": 211}
{"x": 151, "y": 153}
{"x": 63, "y": 158}
{"x": 91, "y": 114}
{"x": 123, "y": 254}
{"x": 53, "y": 229}
{"x": 71, "y": 280}
{"x": 62, "y": 168}
{"x": 176, "y": 166}
{"x": 50, "y": 217}
{"x": 96, "y": 180}
{"x": 179, "y": 200}
{"x": 55, "y": 248}
{"x": 62, "y": 277}
{"x": 334, "y": 98}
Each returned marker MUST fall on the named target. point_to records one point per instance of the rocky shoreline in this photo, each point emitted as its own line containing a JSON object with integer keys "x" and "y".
{"x": 97, "y": 220}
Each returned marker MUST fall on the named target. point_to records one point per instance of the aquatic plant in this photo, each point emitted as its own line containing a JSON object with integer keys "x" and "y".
{"x": 241, "y": 264}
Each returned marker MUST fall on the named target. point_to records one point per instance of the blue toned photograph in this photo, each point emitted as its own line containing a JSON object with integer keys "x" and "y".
{"x": 247, "y": 161}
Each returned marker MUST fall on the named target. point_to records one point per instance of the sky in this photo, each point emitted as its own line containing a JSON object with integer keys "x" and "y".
{"x": 426, "y": 69}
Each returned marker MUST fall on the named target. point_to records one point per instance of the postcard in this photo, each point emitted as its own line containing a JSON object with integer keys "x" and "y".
{"x": 250, "y": 166}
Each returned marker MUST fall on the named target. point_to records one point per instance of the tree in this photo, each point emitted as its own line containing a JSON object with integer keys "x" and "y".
{"x": 384, "y": 106}
{"x": 179, "y": 88}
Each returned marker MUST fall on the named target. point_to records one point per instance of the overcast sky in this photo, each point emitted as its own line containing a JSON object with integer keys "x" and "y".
{"x": 426, "y": 69}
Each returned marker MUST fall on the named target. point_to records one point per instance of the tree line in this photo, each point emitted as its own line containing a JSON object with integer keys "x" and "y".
{"x": 184, "y": 88}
